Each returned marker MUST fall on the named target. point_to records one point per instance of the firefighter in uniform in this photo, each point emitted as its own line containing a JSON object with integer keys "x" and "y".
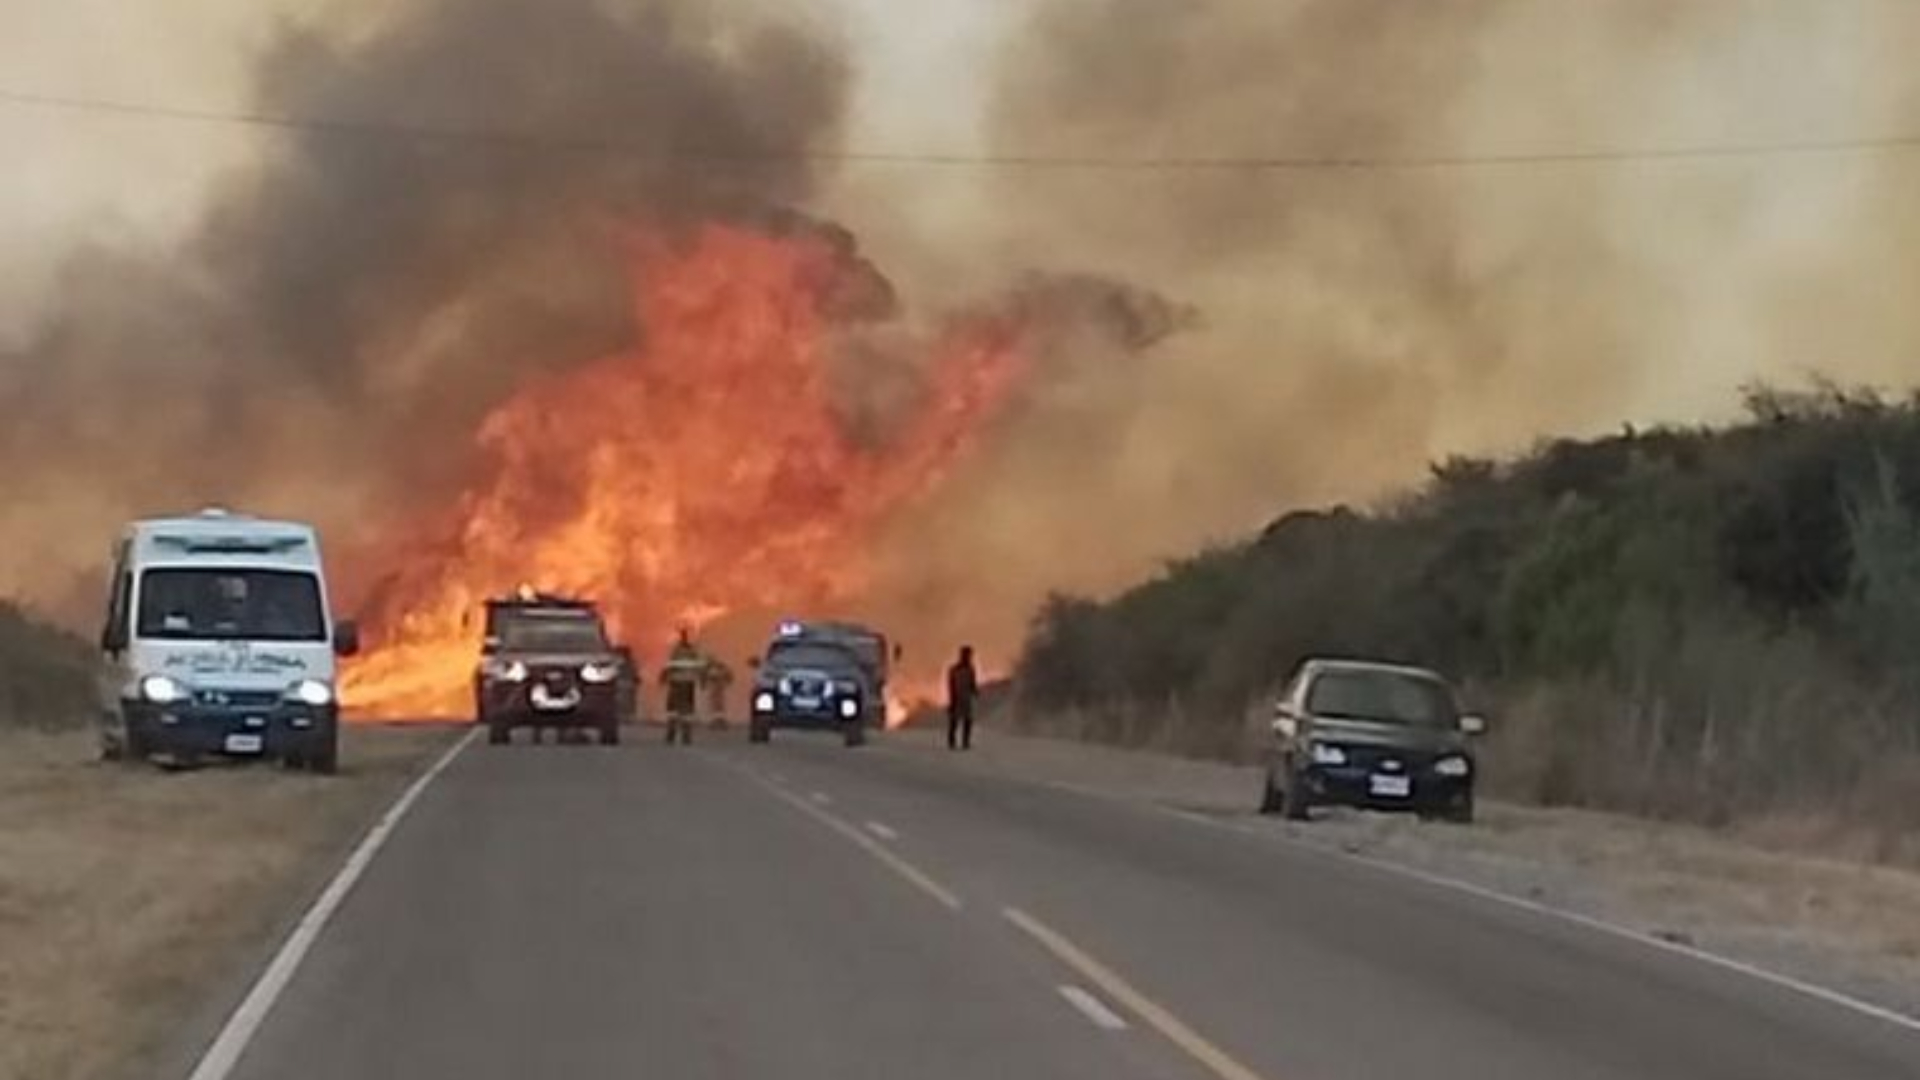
{"x": 685, "y": 670}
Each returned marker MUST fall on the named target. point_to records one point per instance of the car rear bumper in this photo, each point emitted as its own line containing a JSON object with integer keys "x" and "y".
{"x": 287, "y": 729}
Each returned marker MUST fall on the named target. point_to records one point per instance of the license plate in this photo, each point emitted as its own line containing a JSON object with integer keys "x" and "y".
{"x": 1390, "y": 787}
{"x": 806, "y": 703}
{"x": 244, "y": 744}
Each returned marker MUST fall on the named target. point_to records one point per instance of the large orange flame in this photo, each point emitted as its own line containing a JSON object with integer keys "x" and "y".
{"x": 706, "y": 471}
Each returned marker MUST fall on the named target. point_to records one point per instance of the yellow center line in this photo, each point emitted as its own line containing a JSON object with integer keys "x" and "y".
{"x": 1192, "y": 1043}
{"x": 913, "y": 874}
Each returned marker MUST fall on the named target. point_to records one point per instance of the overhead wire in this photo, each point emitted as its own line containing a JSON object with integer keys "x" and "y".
{"x": 372, "y": 129}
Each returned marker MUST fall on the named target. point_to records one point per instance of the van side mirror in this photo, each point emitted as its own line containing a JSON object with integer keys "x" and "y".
{"x": 1473, "y": 724}
{"x": 753, "y": 663}
{"x": 1286, "y": 721}
{"x": 899, "y": 651}
{"x": 113, "y": 638}
{"x": 346, "y": 638}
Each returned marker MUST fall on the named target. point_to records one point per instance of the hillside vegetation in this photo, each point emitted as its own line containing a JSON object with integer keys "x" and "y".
{"x": 47, "y": 676}
{"x": 1709, "y": 624}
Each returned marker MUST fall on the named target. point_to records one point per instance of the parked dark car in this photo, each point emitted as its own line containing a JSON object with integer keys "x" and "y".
{"x": 1378, "y": 736}
{"x": 547, "y": 663}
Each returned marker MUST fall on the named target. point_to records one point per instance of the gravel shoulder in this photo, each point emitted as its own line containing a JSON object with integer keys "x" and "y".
{"x": 129, "y": 896}
{"x": 1833, "y": 922}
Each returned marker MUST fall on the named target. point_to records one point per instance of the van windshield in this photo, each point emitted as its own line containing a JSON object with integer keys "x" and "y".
{"x": 202, "y": 604}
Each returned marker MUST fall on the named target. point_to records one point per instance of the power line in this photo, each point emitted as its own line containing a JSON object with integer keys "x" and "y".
{"x": 1034, "y": 162}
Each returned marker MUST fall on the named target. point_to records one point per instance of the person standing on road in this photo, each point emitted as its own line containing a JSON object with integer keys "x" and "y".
{"x": 963, "y": 687}
{"x": 685, "y": 670}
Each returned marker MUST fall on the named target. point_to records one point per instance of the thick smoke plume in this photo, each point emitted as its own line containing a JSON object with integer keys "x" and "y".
{"x": 328, "y": 341}
{"x": 1358, "y": 323}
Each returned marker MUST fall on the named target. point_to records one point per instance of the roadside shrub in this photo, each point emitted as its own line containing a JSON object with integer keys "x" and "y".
{"x": 1711, "y": 625}
{"x": 48, "y": 678}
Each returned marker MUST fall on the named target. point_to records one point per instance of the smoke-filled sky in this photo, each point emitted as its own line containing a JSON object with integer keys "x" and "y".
{"x": 313, "y": 324}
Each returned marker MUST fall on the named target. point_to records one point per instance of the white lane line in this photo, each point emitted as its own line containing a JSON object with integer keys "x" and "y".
{"x": 1613, "y": 930}
{"x": 1093, "y": 1008}
{"x": 822, "y": 798}
{"x": 919, "y": 878}
{"x": 882, "y": 831}
{"x": 1585, "y": 922}
{"x": 1171, "y": 1027}
{"x": 224, "y": 1053}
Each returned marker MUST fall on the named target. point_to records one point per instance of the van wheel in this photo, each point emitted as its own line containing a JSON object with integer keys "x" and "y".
{"x": 610, "y": 734}
{"x": 1297, "y": 804}
{"x": 1272, "y": 799}
{"x": 326, "y": 760}
{"x": 499, "y": 734}
{"x": 759, "y": 731}
{"x": 855, "y": 734}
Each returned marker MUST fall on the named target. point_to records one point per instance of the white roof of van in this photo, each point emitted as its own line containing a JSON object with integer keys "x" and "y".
{"x": 226, "y": 535}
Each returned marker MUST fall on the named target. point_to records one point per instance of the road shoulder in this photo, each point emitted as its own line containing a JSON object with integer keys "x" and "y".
{"x": 135, "y": 905}
{"x": 1839, "y": 924}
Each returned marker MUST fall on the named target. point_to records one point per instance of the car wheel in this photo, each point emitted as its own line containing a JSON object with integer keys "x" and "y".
{"x": 760, "y": 731}
{"x": 610, "y": 734}
{"x": 1460, "y": 813}
{"x": 499, "y": 734}
{"x": 855, "y": 733}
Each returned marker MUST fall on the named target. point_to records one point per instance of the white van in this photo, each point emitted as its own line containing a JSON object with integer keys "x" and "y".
{"x": 220, "y": 642}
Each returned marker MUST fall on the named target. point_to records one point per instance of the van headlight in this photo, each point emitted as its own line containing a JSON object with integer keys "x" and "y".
{"x": 763, "y": 702}
{"x": 162, "y": 689}
{"x": 311, "y": 692}
{"x": 1328, "y": 754}
{"x": 849, "y": 708}
{"x": 1454, "y": 765}
{"x": 599, "y": 673}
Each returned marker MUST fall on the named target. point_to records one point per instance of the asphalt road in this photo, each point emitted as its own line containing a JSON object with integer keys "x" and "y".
{"x": 806, "y": 912}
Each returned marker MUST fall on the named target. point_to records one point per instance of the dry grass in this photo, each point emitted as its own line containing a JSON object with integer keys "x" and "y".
{"x": 128, "y": 894}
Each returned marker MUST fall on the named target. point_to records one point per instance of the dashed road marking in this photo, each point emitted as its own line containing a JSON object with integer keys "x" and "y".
{"x": 919, "y": 878}
{"x": 1093, "y": 1008}
{"x": 1158, "y": 1017}
{"x": 822, "y": 798}
{"x": 882, "y": 831}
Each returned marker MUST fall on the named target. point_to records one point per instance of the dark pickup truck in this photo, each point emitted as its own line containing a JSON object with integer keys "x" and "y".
{"x": 547, "y": 663}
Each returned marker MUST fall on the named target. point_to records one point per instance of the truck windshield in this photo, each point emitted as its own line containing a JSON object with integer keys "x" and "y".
{"x": 203, "y": 604}
{"x": 1383, "y": 696}
{"x": 552, "y": 634}
{"x": 810, "y": 654}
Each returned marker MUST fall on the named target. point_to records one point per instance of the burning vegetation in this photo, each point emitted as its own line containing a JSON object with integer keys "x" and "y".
{"x": 707, "y": 470}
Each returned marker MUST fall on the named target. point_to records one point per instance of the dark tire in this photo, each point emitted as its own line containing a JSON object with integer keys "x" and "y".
{"x": 760, "y": 731}
{"x": 325, "y": 760}
{"x": 610, "y": 734}
{"x": 1460, "y": 813}
{"x": 499, "y": 734}
{"x": 1272, "y": 800}
{"x": 854, "y": 733}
